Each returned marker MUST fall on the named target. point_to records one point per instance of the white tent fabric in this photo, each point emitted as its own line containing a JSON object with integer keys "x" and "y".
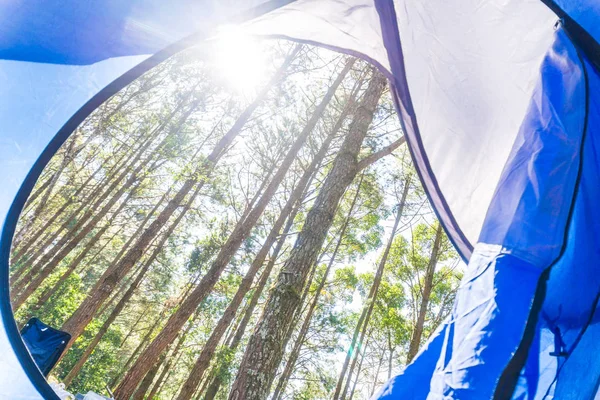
{"x": 468, "y": 104}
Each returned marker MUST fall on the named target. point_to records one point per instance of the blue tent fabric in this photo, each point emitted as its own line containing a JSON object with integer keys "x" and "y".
{"x": 523, "y": 234}
{"x": 45, "y": 343}
{"x": 581, "y": 17}
{"x": 567, "y": 366}
{"x": 84, "y": 32}
{"x": 526, "y": 322}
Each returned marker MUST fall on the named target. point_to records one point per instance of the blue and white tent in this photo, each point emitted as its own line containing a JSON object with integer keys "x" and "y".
{"x": 500, "y": 103}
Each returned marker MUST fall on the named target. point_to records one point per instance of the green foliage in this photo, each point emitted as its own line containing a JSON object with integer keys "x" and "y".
{"x": 181, "y": 109}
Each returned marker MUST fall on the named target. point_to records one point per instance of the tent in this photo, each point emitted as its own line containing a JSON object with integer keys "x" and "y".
{"x": 500, "y": 104}
{"x": 45, "y": 343}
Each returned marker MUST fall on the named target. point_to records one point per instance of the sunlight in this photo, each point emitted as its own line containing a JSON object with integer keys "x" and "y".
{"x": 239, "y": 59}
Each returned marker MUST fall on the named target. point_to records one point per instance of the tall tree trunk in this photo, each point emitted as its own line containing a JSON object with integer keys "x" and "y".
{"x": 127, "y": 296}
{"x": 213, "y": 388}
{"x": 83, "y": 315}
{"x": 49, "y": 261}
{"x": 350, "y": 107}
{"x": 147, "y": 381}
{"x": 265, "y": 349}
{"x": 308, "y": 284}
{"x": 47, "y": 270}
{"x": 25, "y": 251}
{"x": 236, "y": 339}
{"x": 315, "y": 165}
{"x": 172, "y": 357}
{"x": 289, "y": 366}
{"x": 203, "y": 361}
{"x": 391, "y": 358}
{"x": 415, "y": 340}
{"x": 363, "y": 321}
{"x": 145, "y": 340}
{"x": 209, "y": 348}
{"x": 47, "y": 294}
{"x": 362, "y": 358}
{"x": 376, "y": 376}
{"x": 239, "y": 234}
{"x": 37, "y": 265}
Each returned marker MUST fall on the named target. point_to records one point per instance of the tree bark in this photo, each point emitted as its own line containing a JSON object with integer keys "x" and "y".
{"x": 350, "y": 107}
{"x": 216, "y": 383}
{"x": 265, "y": 349}
{"x": 287, "y": 372}
{"x": 415, "y": 341}
{"x": 203, "y": 361}
{"x": 147, "y": 381}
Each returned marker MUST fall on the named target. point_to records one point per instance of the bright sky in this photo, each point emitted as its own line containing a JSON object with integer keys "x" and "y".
{"x": 240, "y": 59}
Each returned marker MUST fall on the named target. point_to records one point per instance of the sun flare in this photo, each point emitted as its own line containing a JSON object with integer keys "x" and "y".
{"x": 239, "y": 59}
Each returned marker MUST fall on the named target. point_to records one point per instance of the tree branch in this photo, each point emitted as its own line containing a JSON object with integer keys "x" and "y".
{"x": 365, "y": 162}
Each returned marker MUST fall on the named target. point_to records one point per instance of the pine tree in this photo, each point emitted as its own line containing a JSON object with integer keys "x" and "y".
{"x": 265, "y": 348}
